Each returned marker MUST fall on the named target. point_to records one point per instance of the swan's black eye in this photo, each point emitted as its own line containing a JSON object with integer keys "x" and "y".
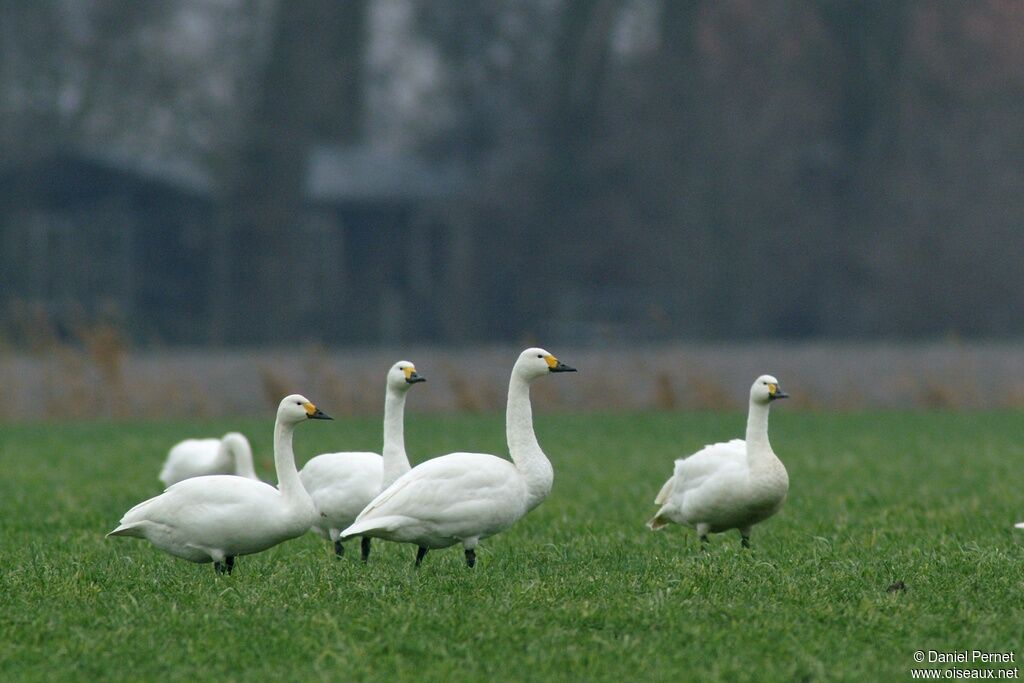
{"x": 539, "y": 356}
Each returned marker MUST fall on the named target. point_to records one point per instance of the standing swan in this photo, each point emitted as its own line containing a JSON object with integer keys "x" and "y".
{"x": 218, "y": 517}
{"x": 730, "y": 485}
{"x": 231, "y": 454}
{"x": 464, "y": 497}
{"x": 342, "y": 484}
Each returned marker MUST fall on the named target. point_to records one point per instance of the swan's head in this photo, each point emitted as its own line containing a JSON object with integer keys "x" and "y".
{"x": 296, "y": 408}
{"x": 534, "y": 363}
{"x": 766, "y": 389}
{"x": 402, "y": 375}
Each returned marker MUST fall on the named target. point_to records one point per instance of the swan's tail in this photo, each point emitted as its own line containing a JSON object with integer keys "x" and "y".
{"x": 367, "y": 527}
{"x": 129, "y": 529}
{"x": 665, "y": 492}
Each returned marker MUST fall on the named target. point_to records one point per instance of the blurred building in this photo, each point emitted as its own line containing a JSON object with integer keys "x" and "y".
{"x": 90, "y": 234}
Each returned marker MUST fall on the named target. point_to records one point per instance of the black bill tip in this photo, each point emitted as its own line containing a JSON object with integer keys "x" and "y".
{"x": 562, "y": 367}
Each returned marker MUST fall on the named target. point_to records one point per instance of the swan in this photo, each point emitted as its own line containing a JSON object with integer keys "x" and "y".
{"x": 465, "y": 497}
{"x": 218, "y": 517}
{"x": 731, "y": 485}
{"x": 342, "y": 484}
{"x": 231, "y": 454}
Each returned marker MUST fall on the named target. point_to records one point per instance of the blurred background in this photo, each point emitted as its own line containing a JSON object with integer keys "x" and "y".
{"x": 206, "y": 203}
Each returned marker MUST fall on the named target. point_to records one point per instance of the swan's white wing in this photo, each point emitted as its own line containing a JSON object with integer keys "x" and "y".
{"x": 350, "y": 472}
{"x": 696, "y": 482}
{"x": 460, "y": 495}
{"x": 341, "y": 485}
{"x": 692, "y": 471}
{"x": 190, "y": 458}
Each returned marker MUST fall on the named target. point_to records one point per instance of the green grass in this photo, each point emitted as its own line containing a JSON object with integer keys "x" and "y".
{"x": 578, "y": 590}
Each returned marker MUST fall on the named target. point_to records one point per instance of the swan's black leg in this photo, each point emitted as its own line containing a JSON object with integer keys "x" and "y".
{"x": 420, "y": 554}
{"x": 339, "y": 549}
{"x": 229, "y": 563}
{"x": 704, "y": 542}
{"x": 745, "y": 540}
{"x": 470, "y": 557}
{"x": 364, "y": 546}
{"x": 218, "y": 568}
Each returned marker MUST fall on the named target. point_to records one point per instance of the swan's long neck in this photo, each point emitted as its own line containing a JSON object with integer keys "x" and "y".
{"x": 522, "y": 443}
{"x": 284, "y": 462}
{"x": 396, "y": 462}
{"x": 758, "y": 447}
{"x": 242, "y": 454}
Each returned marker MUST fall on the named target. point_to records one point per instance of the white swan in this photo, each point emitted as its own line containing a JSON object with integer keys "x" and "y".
{"x": 342, "y": 484}
{"x": 218, "y": 517}
{"x": 730, "y": 485}
{"x": 231, "y": 454}
{"x": 465, "y": 497}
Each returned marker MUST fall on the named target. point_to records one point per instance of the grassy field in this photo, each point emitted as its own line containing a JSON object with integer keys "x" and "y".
{"x": 578, "y": 590}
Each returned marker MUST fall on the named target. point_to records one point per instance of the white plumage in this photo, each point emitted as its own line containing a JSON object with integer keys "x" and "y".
{"x": 218, "y": 517}
{"x": 465, "y": 497}
{"x": 731, "y": 485}
{"x": 231, "y": 454}
{"x": 342, "y": 484}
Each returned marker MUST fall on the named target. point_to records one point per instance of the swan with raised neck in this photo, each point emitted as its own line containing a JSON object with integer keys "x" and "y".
{"x": 731, "y": 485}
{"x": 466, "y": 497}
{"x": 342, "y": 484}
{"x": 400, "y": 379}
{"x": 216, "y": 518}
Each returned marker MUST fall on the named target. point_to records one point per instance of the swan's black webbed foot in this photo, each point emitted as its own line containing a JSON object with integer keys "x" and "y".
{"x": 229, "y": 564}
{"x": 470, "y": 557}
{"x": 339, "y": 549}
{"x": 420, "y": 554}
{"x": 364, "y": 546}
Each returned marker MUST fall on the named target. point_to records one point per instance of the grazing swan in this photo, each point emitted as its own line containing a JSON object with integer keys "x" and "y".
{"x": 342, "y": 484}
{"x": 231, "y": 454}
{"x": 464, "y": 497}
{"x": 218, "y": 517}
{"x": 730, "y": 485}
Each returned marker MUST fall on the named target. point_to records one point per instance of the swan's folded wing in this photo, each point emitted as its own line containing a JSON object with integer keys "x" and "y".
{"x": 203, "y": 500}
{"x": 343, "y": 472}
{"x": 453, "y": 487}
{"x": 690, "y": 472}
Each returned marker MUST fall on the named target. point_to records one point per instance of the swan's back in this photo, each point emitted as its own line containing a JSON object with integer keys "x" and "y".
{"x": 710, "y": 460}
{"x": 341, "y": 485}
{"x": 194, "y": 458}
{"x": 351, "y": 471}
